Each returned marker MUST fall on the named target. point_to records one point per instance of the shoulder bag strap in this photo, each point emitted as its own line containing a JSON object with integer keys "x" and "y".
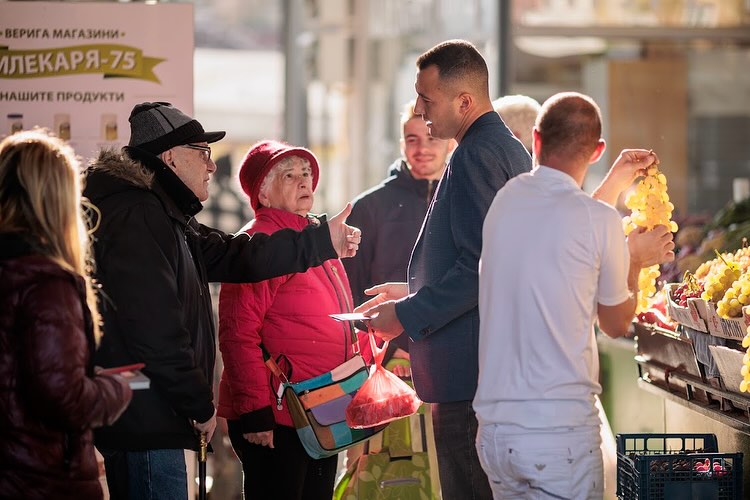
{"x": 271, "y": 364}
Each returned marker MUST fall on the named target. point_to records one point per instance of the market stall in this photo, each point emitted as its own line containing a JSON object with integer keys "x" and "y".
{"x": 689, "y": 361}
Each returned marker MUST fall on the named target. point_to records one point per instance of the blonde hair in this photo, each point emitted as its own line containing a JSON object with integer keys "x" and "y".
{"x": 407, "y": 114}
{"x": 40, "y": 196}
{"x": 519, "y": 113}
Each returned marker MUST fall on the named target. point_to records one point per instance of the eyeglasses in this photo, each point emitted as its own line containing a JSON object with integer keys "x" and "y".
{"x": 206, "y": 150}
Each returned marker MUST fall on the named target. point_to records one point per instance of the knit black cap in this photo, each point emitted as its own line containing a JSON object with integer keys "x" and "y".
{"x": 158, "y": 126}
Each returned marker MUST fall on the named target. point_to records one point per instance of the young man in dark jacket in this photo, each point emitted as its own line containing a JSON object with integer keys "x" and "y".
{"x": 154, "y": 262}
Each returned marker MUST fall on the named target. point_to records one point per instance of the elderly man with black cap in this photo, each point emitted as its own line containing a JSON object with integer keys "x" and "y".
{"x": 154, "y": 261}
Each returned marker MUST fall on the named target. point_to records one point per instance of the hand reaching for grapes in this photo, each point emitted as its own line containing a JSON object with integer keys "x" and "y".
{"x": 651, "y": 247}
{"x": 631, "y": 164}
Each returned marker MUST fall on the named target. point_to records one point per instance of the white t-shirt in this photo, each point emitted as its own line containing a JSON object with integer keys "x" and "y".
{"x": 550, "y": 254}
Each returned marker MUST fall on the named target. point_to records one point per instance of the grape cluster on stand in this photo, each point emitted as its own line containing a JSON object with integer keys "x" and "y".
{"x": 650, "y": 207}
{"x": 721, "y": 278}
{"x": 738, "y": 296}
{"x": 690, "y": 288}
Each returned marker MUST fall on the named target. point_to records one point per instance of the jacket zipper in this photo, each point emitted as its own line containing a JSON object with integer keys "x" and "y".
{"x": 430, "y": 183}
{"x": 190, "y": 252}
{"x": 341, "y": 292}
{"x": 66, "y": 450}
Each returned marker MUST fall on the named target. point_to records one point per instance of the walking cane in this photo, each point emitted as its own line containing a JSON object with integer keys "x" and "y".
{"x": 202, "y": 455}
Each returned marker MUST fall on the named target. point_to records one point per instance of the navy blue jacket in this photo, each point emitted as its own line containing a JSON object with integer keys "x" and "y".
{"x": 442, "y": 316}
{"x": 390, "y": 216}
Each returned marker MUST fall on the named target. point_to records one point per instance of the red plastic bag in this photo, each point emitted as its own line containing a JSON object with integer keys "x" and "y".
{"x": 382, "y": 398}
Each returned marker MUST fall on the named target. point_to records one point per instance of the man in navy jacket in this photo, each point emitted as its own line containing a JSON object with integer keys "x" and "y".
{"x": 437, "y": 308}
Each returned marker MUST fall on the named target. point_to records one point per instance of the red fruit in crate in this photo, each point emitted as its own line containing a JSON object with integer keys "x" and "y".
{"x": 656, "y": 317}
{"x": 660, "y": 306}
{"x": 702, "y": 466}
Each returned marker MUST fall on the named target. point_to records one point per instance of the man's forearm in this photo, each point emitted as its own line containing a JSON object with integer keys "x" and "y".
{"x": 606, "y": 192}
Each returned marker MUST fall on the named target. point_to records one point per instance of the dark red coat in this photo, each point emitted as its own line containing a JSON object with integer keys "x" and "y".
{"x": 49, "y": 398}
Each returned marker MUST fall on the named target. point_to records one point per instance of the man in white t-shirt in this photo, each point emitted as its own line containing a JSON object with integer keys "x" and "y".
{"x": 554, "y": 259}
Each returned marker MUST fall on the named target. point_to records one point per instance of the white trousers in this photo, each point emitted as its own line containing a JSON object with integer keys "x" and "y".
{"x": 542, "y": 465}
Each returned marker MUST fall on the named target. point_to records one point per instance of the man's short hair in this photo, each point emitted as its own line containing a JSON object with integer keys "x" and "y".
{"x": 407, "y": 114}
{"x": 569, "y": 124}
{"x": 458, "y": 61}
{"x": 519, "y": 113}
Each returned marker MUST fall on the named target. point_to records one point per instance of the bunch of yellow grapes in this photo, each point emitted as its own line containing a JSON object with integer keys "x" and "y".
{"x": 706, "y": 268}
{"x": 646, "y": 286}
{"x": 649, "y": 207}
{"x": 745, "y": 384}
{"x": 730, "y": 306}
{"x": 720, "y": 279}
{"x": 742, "y": 258}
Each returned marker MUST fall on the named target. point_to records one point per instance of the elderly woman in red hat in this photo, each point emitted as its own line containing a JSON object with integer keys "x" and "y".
{"x": 289, "y": 315}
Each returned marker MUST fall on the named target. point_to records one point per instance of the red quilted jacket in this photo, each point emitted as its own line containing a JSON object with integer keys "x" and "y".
{"x": 50, "y": 397}
{"x": 289, "y": 315}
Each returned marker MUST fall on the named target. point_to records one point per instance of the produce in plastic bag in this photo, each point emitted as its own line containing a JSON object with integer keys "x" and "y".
{"x": 382, "y": 398}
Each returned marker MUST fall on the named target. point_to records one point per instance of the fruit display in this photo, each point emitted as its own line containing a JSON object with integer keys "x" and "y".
{"x": 745, "y": 371}
{"x": 699, "y": 236}
{"x": 657, "y": 318}
{"x": 650, "y": 207}
{"x": 720, "y": 278}
{"x": 738, "y": 296}
{"x": 690, "y": 288}
{"x": 656, "y": 313}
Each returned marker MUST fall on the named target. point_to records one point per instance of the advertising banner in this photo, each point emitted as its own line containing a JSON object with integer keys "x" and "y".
{"x": 79, "y": 68}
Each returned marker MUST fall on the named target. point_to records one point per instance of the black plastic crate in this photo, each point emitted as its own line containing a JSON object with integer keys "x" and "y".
{"x": 665, "y": 466}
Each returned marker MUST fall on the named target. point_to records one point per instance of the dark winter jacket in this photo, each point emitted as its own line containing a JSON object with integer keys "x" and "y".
{"x": 390, "y": 216}
{"x": 154, "y": 262}
{"x": 50, "y": 396}
{"x": 441, "y": 315}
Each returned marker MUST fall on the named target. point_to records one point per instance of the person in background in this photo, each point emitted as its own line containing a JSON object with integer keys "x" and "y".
{"x": 539, "y": 430}
{"x": 289, "y": 315}
{"x": 155, "y": 261}
{"x": 391, "y": 214}
{"x": 519, "y": 113}
{"x": 437, "y": 307}
{"x": 49, "y": 326}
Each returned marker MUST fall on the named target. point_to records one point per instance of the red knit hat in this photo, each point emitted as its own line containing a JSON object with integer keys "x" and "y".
{"x": 261, "y": 158}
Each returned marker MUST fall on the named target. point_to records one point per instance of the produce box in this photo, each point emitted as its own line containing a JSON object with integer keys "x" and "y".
{"x": 667, "y": 351}
{"x": 729, "y": 362}
{"x": 701, "y": 343}
{"x": 670, "y": 466}
{"x": 688, "y": 316}
{"x": 701, "y": 306}
{"x": 734, "y": 328}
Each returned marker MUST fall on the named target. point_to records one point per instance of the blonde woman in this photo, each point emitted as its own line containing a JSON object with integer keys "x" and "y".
{"x": 49, "y": 326}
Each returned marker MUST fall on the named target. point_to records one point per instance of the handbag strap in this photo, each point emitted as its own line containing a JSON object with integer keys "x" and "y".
{"x": 272, "y": 365}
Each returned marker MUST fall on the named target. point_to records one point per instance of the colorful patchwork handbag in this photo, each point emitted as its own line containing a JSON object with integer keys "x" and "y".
{"x": 318, "y": 406}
